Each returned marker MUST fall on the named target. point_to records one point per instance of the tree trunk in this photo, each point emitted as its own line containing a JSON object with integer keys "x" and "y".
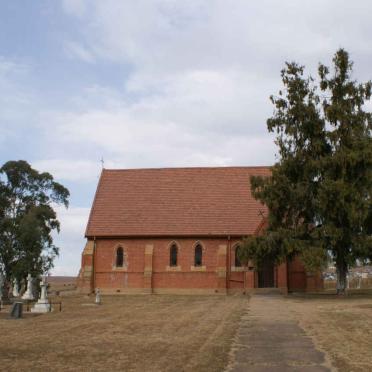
{"x": 6, "y": 291}
{"x": 341, "y": 270}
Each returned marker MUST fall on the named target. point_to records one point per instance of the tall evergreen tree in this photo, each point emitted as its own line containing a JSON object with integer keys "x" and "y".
{"x": 320, "y": 194}
{"x": 27, "y": 219}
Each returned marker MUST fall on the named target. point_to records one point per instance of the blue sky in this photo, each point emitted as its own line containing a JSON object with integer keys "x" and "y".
{"x": 152, "y": 83}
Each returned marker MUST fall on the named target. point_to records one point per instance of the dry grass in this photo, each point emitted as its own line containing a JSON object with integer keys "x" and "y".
{"x": 340, "y": 326}
{"x": 172, "y": 333}
{"x": 61, "y": 284}
{"x": 127, "y": 333}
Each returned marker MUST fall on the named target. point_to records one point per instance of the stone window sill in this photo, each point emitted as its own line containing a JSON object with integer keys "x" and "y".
{"x": 124, "y": 268}
{"x": 173, "y": 268}
{"x": 198, "y": 268}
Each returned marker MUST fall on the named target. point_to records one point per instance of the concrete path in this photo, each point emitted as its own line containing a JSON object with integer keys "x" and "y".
{"x": 270, "y": 339}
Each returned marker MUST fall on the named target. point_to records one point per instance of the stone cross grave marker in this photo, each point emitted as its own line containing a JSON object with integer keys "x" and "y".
{"x": 42, "y": 305}
{"x": 28, "y": 294}
{"x": 15, "y": 288}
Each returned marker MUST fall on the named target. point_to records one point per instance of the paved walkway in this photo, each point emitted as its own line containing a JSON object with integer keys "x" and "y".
{"x": 270, "y": 339}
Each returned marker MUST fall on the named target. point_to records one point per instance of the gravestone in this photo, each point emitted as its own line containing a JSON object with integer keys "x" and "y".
{"x": 98, "y": 296}
{"x": 42, "y": 305}
{"x": 15, "y": 291}
{"x": 28, "y": 294}
{"x": 16, "y": 310}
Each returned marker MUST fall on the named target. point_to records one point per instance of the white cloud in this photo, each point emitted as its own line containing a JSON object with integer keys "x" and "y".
{"x": 70, "y": 240}
{"x": 75, "y": 7}
{"x": 368, "y": 106}
{"x": 162, "y": 37}
{"x": 8, "y": 66}
{"x": 17, "y": 100}
{"x": 73, "y": 219}
{"x": 76, "y": 50}
{"x": 196, "y": 120}
{"x": 11, "y": 74}
{"x": 69, "y": 169}
{"x": 201, "y": 74}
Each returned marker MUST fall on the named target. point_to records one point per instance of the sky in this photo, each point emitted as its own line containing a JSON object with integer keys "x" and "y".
{"x": 155, "y": 83}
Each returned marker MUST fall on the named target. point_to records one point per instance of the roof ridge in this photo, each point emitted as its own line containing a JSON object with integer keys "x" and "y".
{"x": 192, "y": 168}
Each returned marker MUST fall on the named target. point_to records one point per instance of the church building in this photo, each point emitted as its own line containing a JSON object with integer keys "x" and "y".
{"x": 178, "y": 230}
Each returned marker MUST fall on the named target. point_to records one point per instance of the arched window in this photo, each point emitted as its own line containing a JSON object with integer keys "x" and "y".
{"x": 173, "y": 255}
{"x": 237, "y": 260}
{"x": 198, "y": 255}
{"x": 119, "y": 257}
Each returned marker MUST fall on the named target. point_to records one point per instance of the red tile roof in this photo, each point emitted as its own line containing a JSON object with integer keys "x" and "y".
{"x": 176, "y": 202}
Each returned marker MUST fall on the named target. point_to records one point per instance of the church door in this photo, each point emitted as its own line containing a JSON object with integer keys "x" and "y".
{"x": 266, "y": 275}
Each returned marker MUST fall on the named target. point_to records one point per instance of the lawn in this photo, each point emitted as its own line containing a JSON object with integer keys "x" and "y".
{"x": 127, "y": 333}
{"x": 173, "y": 333}
{"x": 340, "y": 326}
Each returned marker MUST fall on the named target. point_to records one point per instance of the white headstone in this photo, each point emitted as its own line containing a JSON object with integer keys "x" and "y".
{"x": 15, "y": 288}
{"x": 42, "y": 305}
{"x": 359, "y": 282}
{"x": 28, "y": 294}
{"x": 98, "y": 296}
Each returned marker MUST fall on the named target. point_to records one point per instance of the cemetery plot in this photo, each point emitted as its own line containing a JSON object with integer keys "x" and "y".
{"x": 173, "y": 333}
{"x": 136, "y": 333}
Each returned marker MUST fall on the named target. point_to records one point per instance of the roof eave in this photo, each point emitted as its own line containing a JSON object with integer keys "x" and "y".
{"x": 180, "y": 235}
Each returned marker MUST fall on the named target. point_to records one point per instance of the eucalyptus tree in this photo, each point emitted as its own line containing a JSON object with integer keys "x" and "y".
{"x": 27, "y": 219}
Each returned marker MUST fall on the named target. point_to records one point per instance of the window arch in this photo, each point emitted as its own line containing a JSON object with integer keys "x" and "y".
{"x": 198, "y": 258}
{"x": 237, "y": 260}
{"x": 173, "y": 257}
{"x": 119, "y": 257}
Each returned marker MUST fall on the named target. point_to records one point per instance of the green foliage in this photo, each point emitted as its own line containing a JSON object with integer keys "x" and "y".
{"x": 320, "y": 193}
{"x": 27, "y": 219}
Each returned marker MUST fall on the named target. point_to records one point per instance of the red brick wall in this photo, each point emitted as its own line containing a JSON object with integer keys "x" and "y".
{"x": 118, "y": 280}
{"x": 134, "y": 251}
{"x": 282, "y": 275}
{"x": 147, "y": 261}
{"x": 185, "y": 280}
{"x": 132, "y": 275}
{"x": 186, "y": 253}
{"x": 296, "y": 275}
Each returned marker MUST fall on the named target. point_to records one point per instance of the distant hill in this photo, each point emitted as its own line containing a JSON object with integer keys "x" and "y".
{"x": 62, "y": 283}
{"x": 61, "y": 279}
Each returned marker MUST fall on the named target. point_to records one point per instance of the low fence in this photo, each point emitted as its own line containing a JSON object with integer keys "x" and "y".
{"x": 354, "y": 283}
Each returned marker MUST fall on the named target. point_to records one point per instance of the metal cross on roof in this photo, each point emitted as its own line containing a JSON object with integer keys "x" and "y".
{"x": 261, "y": 213}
